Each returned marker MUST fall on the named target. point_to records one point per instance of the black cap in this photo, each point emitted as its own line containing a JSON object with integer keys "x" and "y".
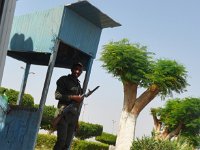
{"x": 77, "y": 64}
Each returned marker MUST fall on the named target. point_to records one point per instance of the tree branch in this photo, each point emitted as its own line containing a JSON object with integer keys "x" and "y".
{"x": 157, "y": 122}
{"x": 175, "y": 132}
{"x": 144, "y": 99}
{"x": 164, "y": 133}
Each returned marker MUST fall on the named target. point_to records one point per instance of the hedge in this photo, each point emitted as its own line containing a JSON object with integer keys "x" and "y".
{"x": 107, "y": 138}
{"x": 47, "y": 117}
{"x": 88, "y": 130}
{"x": 87, "y": 145}
{"x": 46, "y": 142}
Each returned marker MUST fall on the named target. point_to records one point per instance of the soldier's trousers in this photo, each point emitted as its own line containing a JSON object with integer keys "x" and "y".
{"x": 65, "y": 130}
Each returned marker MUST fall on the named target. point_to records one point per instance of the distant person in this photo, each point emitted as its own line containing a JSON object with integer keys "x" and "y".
{"x": 68, "y": 92}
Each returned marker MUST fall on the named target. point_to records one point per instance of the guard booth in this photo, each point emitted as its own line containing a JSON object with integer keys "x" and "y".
{"x": 57, "y": 37}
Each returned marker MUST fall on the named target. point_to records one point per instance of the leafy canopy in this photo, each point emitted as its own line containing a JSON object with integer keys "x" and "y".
{"x": 185, "y": 111}
{"x": 130, "y": 62}
{"x": 169, "y": 76}
{"x": 134, "y": 64}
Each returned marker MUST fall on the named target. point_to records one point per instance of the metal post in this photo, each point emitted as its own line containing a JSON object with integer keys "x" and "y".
{"x": 5, "y": 28}
{"x": 87, "y": 76}
{"x": 47, "y": 83}
{"x": 23, "y": 84}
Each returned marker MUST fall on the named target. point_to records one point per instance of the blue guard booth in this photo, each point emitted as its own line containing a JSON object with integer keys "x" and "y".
{"x": 57, "y": 37}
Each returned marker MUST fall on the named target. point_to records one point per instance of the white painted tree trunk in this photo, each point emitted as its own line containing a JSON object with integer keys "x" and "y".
{"x": 126, "y": 131}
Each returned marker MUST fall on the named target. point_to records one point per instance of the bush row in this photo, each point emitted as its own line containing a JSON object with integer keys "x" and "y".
{"x": 46, "y": 142}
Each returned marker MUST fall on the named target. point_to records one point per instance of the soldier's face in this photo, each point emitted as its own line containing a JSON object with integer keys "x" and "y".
{"x": 76, "y": 71}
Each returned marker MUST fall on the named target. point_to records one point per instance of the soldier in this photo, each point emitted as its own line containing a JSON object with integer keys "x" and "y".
{"x": 68, "y": 92}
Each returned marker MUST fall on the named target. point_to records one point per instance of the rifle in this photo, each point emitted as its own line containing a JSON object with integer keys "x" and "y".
{"x": 67, "y": 109}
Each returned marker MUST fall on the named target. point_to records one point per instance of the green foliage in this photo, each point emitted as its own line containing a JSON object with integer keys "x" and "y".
{"x": 191, "y": 140}
{"x": 45, "y": 141}
{"x": 88, "y": 130}
{"x": 151, "y": 144}
{"x": 185, "y": 111}
{"x": 2, "y": 90}
{"x": 106, "y": 138}
{"x": 47, "y": 117}
{"x": 86, "y": 145}
{"x": 12, "y": 95}
{"x": 27, "y": 100}
{"x": 133, "y": 63}
{"x": 169, "y": 76}
{"x": 130, "y": 62}
{"x": 147, "y": 143}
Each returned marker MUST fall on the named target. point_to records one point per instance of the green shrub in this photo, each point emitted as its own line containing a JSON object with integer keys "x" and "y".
{"x": 151, "y": 144}
{"x": 106, "y": 138}
{"x": 187, "y": 143}
{"x": 147, "y": 143}
{"x": 45, "y": 141}
{"x": 47, "y": 117}
{"x": 88, "y": 130}
{"x": 2, "y": 90}
{"x": 86, "y": 145}
{"x": 27, "y": 100}
{"x": 12, "y": 95}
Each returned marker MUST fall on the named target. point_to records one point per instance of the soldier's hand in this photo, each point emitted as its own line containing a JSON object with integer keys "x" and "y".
{"x": 77, "y": 98}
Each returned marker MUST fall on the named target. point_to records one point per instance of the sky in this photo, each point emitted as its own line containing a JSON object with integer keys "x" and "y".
{"x": 170, "y": 29}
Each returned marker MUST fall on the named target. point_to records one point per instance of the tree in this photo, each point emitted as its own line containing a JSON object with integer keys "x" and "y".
{"x": 133, "y": 65}
{"x": 179, "y": 117}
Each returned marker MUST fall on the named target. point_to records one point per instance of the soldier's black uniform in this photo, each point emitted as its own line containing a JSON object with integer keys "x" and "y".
{"x": 66, "y": 86}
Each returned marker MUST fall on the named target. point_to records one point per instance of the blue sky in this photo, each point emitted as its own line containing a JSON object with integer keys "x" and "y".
{"x": 170, "y": 29}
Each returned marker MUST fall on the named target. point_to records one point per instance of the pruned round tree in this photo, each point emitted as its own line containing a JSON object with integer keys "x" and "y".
{"x": 134, "y": 66}
{"x": 88, "y": 130}
{"x": 179, "y": 117}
